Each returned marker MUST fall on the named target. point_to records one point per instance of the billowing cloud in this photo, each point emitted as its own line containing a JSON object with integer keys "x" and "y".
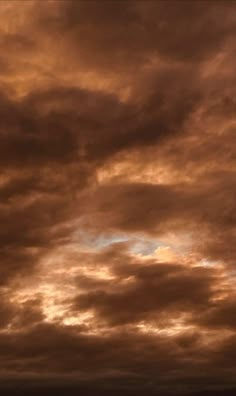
{"x": 117, "y": 197}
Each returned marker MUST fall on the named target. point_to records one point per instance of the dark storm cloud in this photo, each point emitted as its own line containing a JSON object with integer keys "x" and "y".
{"x": 155, "y": 291}
{"x": 125, "y": 34}
{"x": 60, "y": 132}
{"x": 63, "y": 132}
{"x": 18, "y": 316}
{"x": 26, "y": 138}
{"x": 48, "y": 350}
{"x": 150, "y": 207}
{"x": 221, "y": 314}
{"x": 86, "y": 87}
{"x": 61, "y": 125}
{"x": 33, "y": 218}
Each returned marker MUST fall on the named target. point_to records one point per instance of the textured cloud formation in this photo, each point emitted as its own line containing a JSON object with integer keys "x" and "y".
{"x": 117, "y": 197}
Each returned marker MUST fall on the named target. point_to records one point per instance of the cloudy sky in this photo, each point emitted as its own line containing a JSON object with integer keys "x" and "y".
{"x": 117, "y": 197}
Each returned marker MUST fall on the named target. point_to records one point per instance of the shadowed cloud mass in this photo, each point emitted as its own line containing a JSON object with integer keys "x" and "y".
{"x": 117, "y": 197}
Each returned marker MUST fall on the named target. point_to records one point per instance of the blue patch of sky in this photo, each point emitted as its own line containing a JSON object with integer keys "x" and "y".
{"x": 138, "y": 245}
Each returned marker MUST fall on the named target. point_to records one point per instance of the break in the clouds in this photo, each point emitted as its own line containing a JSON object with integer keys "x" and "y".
{"x": 117, "y": 197}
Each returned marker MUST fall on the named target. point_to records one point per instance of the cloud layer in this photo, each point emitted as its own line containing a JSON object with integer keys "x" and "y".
{"x": 117, "y": 197}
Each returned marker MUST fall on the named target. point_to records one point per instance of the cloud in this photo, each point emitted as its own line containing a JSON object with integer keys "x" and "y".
{"x": 117, "y": 197}
{"x": 155, "y": 291}
{"x": 121, "y": 36}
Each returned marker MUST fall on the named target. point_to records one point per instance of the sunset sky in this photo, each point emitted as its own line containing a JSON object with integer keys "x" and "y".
{"x": 117, "y": 197}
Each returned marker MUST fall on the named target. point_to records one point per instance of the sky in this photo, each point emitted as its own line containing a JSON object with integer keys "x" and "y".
{"x": 117, "y": 197}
